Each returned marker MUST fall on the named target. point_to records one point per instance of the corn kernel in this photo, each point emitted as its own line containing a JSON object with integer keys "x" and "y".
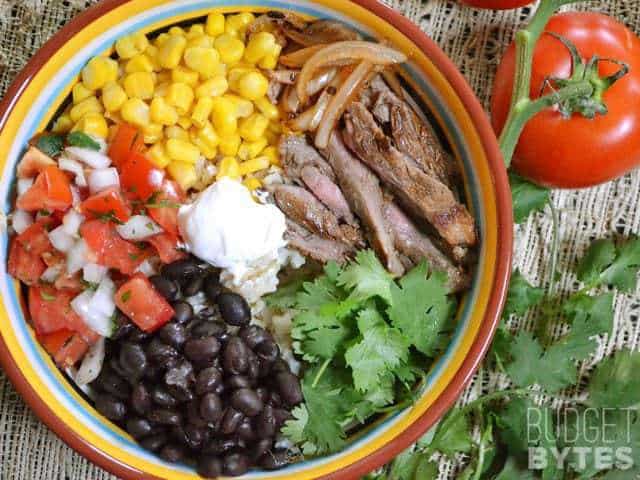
{"x": 63, "y": 124}
{"x": 139, "y": 63}
{"x": 152, "y": 53}
{"x": 252, "y": 85}
{"x": 223, "y": 116}
{"x": 161, "y": 40}
{"x": 115, "y": 117}
{"x": 131, "y": 45}
{"x": 236, "y": 72}
{"x": 229, "y": 144}
{"x": 244, "y": 107}
{"x": 230, "y": 48}
{"x": 196, "y": 30}
{"x": 201, "y": 111}
{"x": 272, "y": 154}
{"x": 206, "y": 150}
{"x": 184, "y": 75}
{"x": 139, "y": 85}
{"x": 204, "y": 41}
{"x": 161, "y": 89}
{"x": 177, "y": 31}
{"x": 208, "y": 135}
{"x": 162, "y": 113}
{"x": 275, "y": 127}
{"x": 269, "y": 62}
{"x": 260, "y": 45}
{"x": 182, "y": 151}
{"x": 140, "y": 41}
{"x": 267, "y": 108}
{"x": 98, "y": 72}
{"x": 252, "y": 183}
{"x": 213, "y": 87}
{"x": 185, "y": 122}
{"x": 228, "y": 168}
{"x": 136, "y": 112}
{"x": 249, "y": 150}
{"x": 80, "y": 92}
{"x": 215, "y": 24}
{"x": 175, "y": 131}
{"x": 170, "y": 52}
{"x": 202, "y": 60}
{"x": 253, "y": 127}
{"x": 88, "y": 105}
{"x": 254, "y": 165}
{"x": 113, "y": 96}
{"x": 152, "y": 133}
{"x": 158, "y": 155}
{"x": 237, "y": 24}
{"x": 180, "y": 95}
{"x": 183, "y": 173}
{"x": 93, "y": 124}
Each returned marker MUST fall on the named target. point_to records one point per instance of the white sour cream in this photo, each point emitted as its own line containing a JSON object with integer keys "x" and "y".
{"x": 227, "y": 228}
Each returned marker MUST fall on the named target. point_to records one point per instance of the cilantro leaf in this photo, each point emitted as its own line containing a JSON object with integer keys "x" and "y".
{"x": 597, "y": 258}
{"x": 623, "y": 272}
{"x": 286, "y": 296}
{"x": 453, "y": 434}
{"x": 317, "y": 294}
{"x": 526, "y": 197}
{"x": 615, "y": 382}
{"x": 82, "y": 140}
{"x": 512, "y": 471}
{"x": 50, "y": 144}
{"x": 522, "y": 295}
{"x": 412, "y": 464}
{"x": 318, "y": 336}
{"x": 526, "y": 352}
{"x": 366, "y": 277}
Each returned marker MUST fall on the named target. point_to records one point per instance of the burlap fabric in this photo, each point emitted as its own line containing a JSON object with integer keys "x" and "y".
{"x": 474, "y": 39}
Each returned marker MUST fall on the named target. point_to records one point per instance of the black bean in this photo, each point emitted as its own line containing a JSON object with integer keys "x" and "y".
{"x": 235, "y": 464}
{"x": 179, "y": 378}
{"x": 154, "y": 373}
{"x": 274, "y": 399}
{"x": 261, "y": 447}
{"x": 212, "y": 287}
{"x": 236, "y": 356}
{"x": 193, "y": 414}
{"x": 268, "y": 351}
{"x": 111, "y": 407}
{"x": 140, "y": 399}
{"x": 208, "y": 312}
{"x": 253, "y": 335}
{"x": 264, "y": 368}
{"x": 231, "y": 420}
{"x": 202, "y": 349}
{"x": 133, "y": 360}
{"x": 138, "y": 336}
{"x": 220, "y": 389}
{"x": 111, "y": 383}
{"x": 207, "y": 328}
{"x": 253, "y": 370}
{"x": 247, "y": 401}
{"x": 193, "y": 285}
{"x": 224, "y": 337}
{"x": 245, "y": 431}
{"x": 211, "y": 407}
{"x": 281, "y": 415}
{"x": 180, "y": 269}
{"x": 159, "y": 352}
{"x": 154, "y": 443}
{"x": 195, "y": 436}
{"x": 209, "y": 466}
{"x": 123, "y": 327}
{"x": 165, "y": 416}
{"x": 138, "y": 427}
{"x": 207, "y": 380}
{"x": 238, "y": 381}
{"x": 266, "y": 424}
{"x": 234, "y": 309}
{"x": 280, "y": 366}
{"x": 166, "y": 287}
{"x": 183, "y": 311}
{"x": 173, "y": 334}
{"x": 289, "y": 388}
{"x": 162, "y": 397}
{"x": 114, "y": 363}
{"x": 219, "y": 446}
{"x": 172, "y": 453}
{"x": 263, "y": 394}
{"x": 274, "y": 460}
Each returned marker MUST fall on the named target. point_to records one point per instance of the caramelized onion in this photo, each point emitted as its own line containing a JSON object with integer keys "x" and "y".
{"x": 288, "y": 77}
{"x": 310, "y": 119}
{"x": 298, "y": 58}
{"x": 392, "y": 80}
{"x": 340, "y": 52}
{"x": 320, "y": 81}
{"x": 290, "y": 102}
{"x": 320, "y": 32}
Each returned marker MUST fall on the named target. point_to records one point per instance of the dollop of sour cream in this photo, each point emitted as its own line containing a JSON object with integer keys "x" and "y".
{"x": 225, "y": 227}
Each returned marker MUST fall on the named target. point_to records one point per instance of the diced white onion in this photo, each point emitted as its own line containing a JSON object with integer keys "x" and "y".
{"x": 103, "y": 301}
{"x": 51, "y": 274}
{"x": 96, "y": 321}
{"x": 24, "y": 184}
{"x": 77, "y": 257}
{"x": 21, "y": 220}
{"x": 138, "y": 227}
{"x": 91, "y": 364}
{"x": 102, "y": 142}
{"x": 75, "y": 196}
{"x": 88, "y": 157}
{"x": 74, "y": 167}
{"x": 103, "y": 178}
{"x": 149, "y": 266}
{"x": 94, "y": 273}
{"x": 61, "y": 240}
{"x": 71, "y": 222}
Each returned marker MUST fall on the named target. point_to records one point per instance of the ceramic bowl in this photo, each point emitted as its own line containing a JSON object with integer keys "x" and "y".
{"x": 40, "y": 90}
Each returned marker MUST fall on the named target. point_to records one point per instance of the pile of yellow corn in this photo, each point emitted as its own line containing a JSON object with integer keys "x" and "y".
{"x": 194, "y": 94}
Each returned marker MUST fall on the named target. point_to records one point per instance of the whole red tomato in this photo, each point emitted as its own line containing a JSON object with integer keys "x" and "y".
{"x": 577, "y": 152}
{"x": 497, "y": 4}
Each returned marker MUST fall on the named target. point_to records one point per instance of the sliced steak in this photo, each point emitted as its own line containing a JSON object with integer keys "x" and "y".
{"x": 296, "y": 153}
{"x": 327, "y": 192}
{"x": 417, "y": 246}
{"x": 423, "y": 194}
{"x": 314, "y": 246}
{"x": 302, "y": 207}
{"x": 362, "y": 190}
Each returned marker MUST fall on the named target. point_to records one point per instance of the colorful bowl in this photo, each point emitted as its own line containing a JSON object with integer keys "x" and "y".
{"x": 42, "y": 87}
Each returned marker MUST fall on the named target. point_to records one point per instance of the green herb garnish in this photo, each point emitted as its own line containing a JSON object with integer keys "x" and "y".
{"x": 50, "y": 144}
{"x": 126, "y": 296}
{"x": 82, "y": 140}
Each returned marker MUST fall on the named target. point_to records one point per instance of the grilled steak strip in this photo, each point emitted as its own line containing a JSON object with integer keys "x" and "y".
{"x": 362, "y": 190}
{"x": 314, "y": 246}
{"x": 302, "y": 207}
{"x": 296, "y": 153}
{"x": 417, "y": 246}
{"x": 423, "y": 194}
{"x": 328, "y": 193}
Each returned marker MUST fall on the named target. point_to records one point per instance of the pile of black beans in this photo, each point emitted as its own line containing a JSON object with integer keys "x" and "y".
{"x": 207, "y": 389}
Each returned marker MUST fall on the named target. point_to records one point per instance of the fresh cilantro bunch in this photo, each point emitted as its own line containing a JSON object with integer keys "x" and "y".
{"x": 366, "y": 339}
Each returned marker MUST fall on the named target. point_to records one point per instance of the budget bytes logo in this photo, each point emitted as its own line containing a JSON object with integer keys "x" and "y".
{"x": 602, "y": 443}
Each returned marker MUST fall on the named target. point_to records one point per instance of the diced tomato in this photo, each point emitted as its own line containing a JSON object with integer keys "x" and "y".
{"x": 35, "y": 239}
{"x": 71, "y": 351}
{"x": 166, "y": 244}
{"x": 50, "y": 191}
{"x": 107, "y": 202}
{"x": 23, "y": 265}
{"x": 71, "y": 283}
{"x": 52, "y": 259}
{"x": 168, "y": 201}
{"x": 139, "y": 301}
{"x": 139, "y": 176}
{"x": 53, "y": 342}
{"x": 126, "y": 140}
{"x": 51, "y": 310}
{"x": 33, "y": 162}
{"x": 110, "y": 249}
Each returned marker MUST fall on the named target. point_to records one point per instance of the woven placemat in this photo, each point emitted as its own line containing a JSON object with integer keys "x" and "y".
{"x": 474, "y": 39}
